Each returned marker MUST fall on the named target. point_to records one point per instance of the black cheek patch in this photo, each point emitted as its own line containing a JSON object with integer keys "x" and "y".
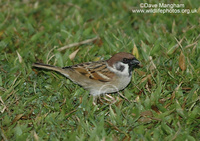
{"x": 120, "y": 68}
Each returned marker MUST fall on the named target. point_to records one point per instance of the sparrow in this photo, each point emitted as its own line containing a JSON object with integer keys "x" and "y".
{"x": 102, "y": 77}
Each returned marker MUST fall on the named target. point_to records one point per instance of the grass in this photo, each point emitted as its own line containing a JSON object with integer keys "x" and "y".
{"x": 42, "y": 105}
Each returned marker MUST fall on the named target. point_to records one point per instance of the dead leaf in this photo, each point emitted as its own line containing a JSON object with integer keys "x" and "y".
{"x": 35, "y": 71}
{"x": 19, "y": 57}
{"x": 154, "y": 118}
{"x": 3, "y": 104}
{"x": 114, "y": 137}
{"x": 110, "y": 124}
{"x": 147, "y": 113}
{"x": 73, "y": 54}
{"x": 143, "y": 46}
{"x": 173, "y": 26}
{"x": 135, "y": 51}
{"x": 145, "y": 78}
{"x": 155, "y": 108}
{"x": 35, "y": 136}
{"x": 133, "y": 114}
{"x": 186, "y": 88}
{"x": 152, "y": 65}
{"x": 137, "y": 99}
{"x": 141, "y": 73}
{"x": 119, "y": 102}
{"x": 80, "y": 99}
{"x": 126, "y": 138}
{"x": 183, "y": 105}
{"x": 182, "y": 62}
{"x": 97, "y": 59}
{"x": 98, "y": 42}
{"x": 174, "y": 92}
{"x": 162, "y": 100}
{"x": 78, "y": 44}
{"x": 167, "y": 105}
{"x": 145, "y": 120}
{"x": 17, "y": 118}
{"x": 150, "y": 84}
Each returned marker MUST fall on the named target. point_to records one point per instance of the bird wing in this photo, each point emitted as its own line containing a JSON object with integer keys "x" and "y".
{"x": 94, "y": 70}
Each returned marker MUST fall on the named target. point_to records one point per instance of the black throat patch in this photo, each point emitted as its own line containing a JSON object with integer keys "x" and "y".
{"x": 130, "y": 69}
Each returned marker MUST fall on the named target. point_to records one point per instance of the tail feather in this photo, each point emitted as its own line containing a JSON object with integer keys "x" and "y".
{"x": 48, "y": 67}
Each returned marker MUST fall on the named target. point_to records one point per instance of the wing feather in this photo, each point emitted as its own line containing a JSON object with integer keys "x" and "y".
{"x": 94, "y": 70}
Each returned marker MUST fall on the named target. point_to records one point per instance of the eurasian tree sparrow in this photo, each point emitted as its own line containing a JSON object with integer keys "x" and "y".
{"x": 100, "y": 77}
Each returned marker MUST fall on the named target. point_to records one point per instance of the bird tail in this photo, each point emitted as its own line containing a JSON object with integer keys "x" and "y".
{"x": 48, "y": 67}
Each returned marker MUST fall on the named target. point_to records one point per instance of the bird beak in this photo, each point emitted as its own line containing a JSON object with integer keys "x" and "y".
{"x": 136, "y": 63}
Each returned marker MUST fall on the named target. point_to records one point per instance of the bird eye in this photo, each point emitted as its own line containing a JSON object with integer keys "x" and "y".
{"x": 125, "y": 60}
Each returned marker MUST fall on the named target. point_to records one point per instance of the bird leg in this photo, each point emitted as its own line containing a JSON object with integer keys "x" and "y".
{"x": 110, "y": 99}
{"x": 123, "y": 97}
{"x": 94, "y": 102}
